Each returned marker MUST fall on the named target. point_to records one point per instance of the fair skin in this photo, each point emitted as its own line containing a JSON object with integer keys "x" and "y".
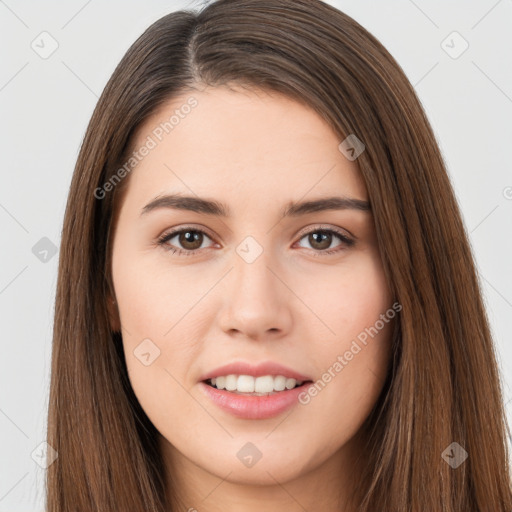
{"x": 294, "y": 304}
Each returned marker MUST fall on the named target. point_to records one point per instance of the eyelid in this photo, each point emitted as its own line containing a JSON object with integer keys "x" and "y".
{"x": 179, "y": 229}
{"x": 324, "y": 227}
{"x": 301, "y": 233}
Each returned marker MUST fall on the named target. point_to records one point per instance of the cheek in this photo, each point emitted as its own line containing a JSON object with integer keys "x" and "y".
{"x": 344, "y": 394}
{"x": 152, "y": 296}
{"x": 150, "y": 306}
{"x": 353, "y": 357}
{"x": 348, "y": 301}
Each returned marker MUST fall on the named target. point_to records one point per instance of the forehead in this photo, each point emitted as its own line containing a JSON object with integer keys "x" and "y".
{"x": 251, "y": 143}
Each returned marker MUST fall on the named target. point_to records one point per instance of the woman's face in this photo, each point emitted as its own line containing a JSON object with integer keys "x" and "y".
{"x": 251, "y": 286}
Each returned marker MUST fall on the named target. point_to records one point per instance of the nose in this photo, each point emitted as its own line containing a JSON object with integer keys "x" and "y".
{"x": 257, "y": 300}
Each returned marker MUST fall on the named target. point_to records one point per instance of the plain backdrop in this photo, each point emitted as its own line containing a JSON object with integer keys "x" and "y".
{"x": 56, "y": 59}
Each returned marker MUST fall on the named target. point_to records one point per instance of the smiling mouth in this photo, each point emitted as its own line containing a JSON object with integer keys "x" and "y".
{"x": 246, "y": 385}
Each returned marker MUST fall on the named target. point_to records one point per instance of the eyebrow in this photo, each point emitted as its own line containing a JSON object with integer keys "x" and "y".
{"x": 291, "y": 209}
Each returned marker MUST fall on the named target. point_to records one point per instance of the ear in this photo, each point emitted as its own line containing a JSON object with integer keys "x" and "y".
{"x": 113, "y": 314}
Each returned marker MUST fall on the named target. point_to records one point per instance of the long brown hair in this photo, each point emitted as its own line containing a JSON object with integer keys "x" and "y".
{"x": 443, "y": 385}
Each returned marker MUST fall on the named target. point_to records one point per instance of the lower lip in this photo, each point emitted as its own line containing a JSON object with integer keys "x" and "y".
{"x": 253, "y": 407}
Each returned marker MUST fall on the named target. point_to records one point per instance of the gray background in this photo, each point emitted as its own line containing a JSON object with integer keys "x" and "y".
{"x": 46, "y": 103}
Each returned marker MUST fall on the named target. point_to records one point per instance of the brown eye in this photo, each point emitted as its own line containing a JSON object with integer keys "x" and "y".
{"x": 188, "y": 240}
{"x": 321, "y": 239}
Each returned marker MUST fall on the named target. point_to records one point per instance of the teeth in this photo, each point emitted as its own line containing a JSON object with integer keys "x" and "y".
{"x": 230, "y": 382}
{"x": 259, "y": 385}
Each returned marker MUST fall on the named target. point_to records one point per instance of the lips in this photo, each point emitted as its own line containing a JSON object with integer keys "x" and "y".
{"x": 259, "y": 370}
{"x": 253, "y": 407}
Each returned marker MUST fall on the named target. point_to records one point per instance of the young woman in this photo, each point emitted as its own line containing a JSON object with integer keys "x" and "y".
{"x": 266, "y": 295}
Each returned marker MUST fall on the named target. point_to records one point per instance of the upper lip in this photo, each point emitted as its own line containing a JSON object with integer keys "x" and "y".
{"x": 263, "y": 368}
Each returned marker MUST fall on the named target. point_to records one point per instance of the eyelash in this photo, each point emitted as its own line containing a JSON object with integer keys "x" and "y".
{"x": 162, "y": 240}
